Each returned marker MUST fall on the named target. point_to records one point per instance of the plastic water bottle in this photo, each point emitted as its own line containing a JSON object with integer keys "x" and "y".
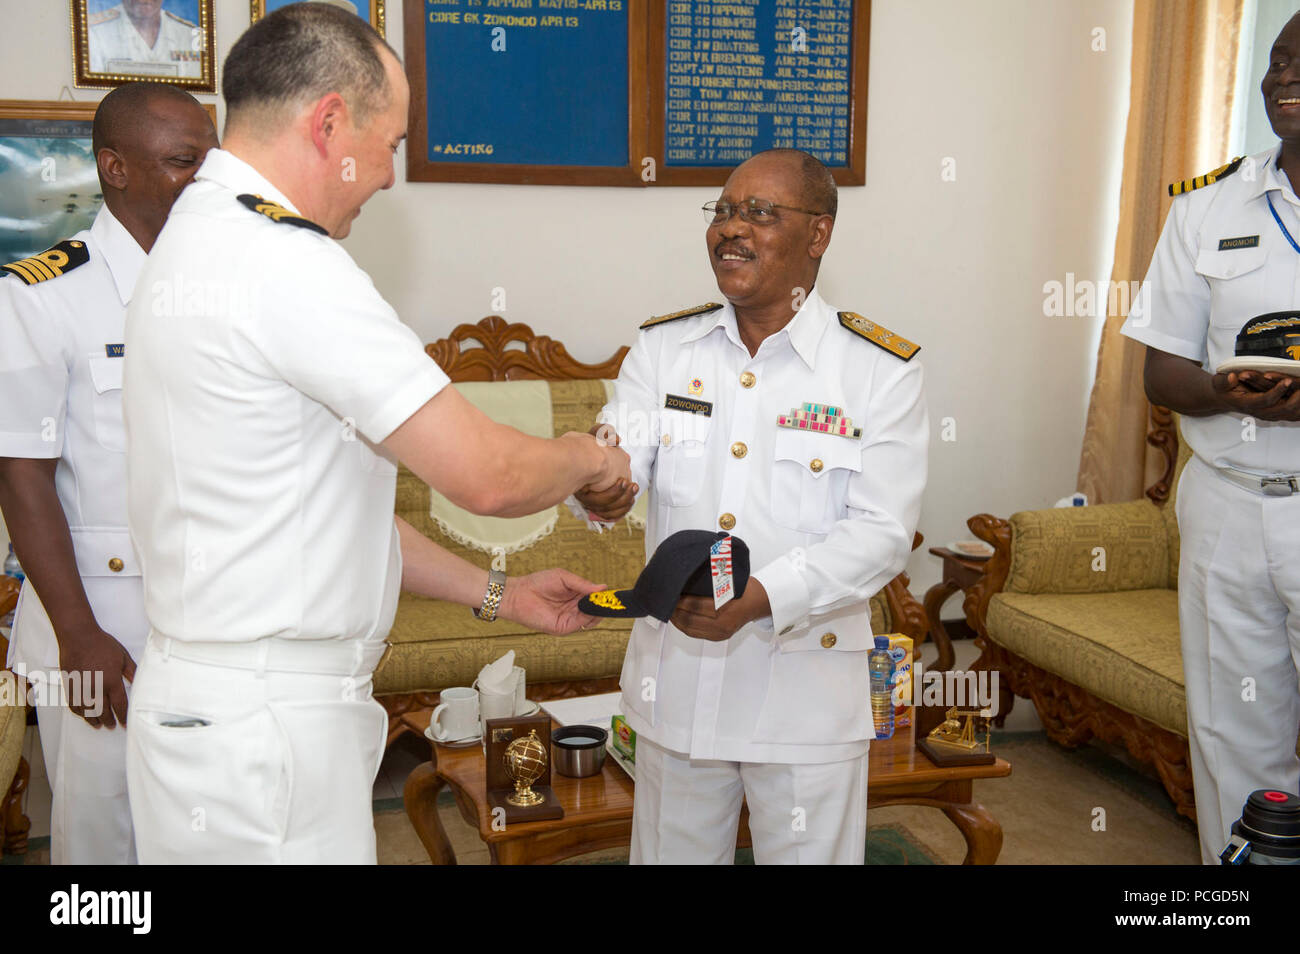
{"x": 12, "y": 568}
{"x": 881, "y": 665}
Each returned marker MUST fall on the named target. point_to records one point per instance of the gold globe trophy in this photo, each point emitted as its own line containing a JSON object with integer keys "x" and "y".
{"x": 525, "y": 761}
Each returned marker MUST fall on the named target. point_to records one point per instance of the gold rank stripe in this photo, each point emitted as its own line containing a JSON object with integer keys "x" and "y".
{"x": 1189, "y": 185}
{"x": 879, "y": 336}
{"x": 685, "y": 313}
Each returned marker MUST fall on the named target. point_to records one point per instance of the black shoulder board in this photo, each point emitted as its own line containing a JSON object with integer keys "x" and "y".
{"x": 687, "y": 313}
{"x": 278, "y": 213}
{"x": 1187, "y": 185}
{"x": 879, "y": 336}
{"x": 51, "y": 263}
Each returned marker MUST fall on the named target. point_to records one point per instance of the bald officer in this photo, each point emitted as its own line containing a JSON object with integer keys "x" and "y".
{"x": 269, "y": 392}
{"x": 1230, "y": 251}
{"x": 766, "y": 698}
{"x": 63, "y": 463}
{"x": 140, "y": 37}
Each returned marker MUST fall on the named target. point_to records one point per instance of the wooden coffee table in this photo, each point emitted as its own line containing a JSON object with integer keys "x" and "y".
{"x": 598, "y": 810}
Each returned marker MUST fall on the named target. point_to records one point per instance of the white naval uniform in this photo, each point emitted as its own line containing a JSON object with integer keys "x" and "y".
{"x": 116, "y": 46}
{"x": 61, "y": 397}
{"x": 780, "y": 712}
{"x": 1239, "y": 569}
{"x": 262, "y": 370}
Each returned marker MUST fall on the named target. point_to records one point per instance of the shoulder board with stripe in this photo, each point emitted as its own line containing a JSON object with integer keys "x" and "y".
{"x": 104, "y": 16}
{"x": 1188, "y": 185}
{"x": 879, "y": 336}
{"x": 187, "y": 23}
{"x": 51, "y": 263}
{"x": 687, "y": 313}
{"x": 278, "y": 213}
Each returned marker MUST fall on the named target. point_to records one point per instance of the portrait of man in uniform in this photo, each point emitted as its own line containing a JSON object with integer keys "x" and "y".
{"x": 161, "y": 40}
{"x": 372, "y": 11}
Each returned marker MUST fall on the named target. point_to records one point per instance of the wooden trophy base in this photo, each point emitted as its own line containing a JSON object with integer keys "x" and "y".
{"x": 548, "y": 808}
{"x": 946, "y": 756}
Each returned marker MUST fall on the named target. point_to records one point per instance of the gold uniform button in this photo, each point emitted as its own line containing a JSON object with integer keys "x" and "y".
{"x": 726, "y": 521}
{"x": 116, "y": 565}
{"x": 666, "y": 440}
{"x": 828, "y": 640}
{"x": 747, "y": 380}
{"x": 816, "y": 465}
{"x": 739, "y": 449}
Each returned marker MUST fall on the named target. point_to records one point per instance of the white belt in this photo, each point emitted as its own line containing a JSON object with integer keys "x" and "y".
{"x": 1277, "y": 485}
{"x": 315, "y": 656}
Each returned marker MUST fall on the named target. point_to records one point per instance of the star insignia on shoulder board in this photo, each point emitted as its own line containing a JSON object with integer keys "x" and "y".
{"x": 879, "y": 336}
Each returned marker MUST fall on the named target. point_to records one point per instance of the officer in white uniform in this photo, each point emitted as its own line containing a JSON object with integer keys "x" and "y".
{"x": 63, "y": 464}
{"x": 118, "y": 45}
{"x": 768, "y": 697}
{"x": 1229, "y": 253}
{"x": 263, "y": 372}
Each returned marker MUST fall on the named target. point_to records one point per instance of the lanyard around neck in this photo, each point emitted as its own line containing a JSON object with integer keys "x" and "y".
{"x": 1278, "y": 219}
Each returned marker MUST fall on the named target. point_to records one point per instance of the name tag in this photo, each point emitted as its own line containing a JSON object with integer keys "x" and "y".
{"x": 115, "y": 350}
{"x": 1241, "y": 241}
{"x": 675, "y": 402}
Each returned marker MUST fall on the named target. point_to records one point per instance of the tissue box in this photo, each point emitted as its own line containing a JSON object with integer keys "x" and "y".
{"x": 900, "y": 648}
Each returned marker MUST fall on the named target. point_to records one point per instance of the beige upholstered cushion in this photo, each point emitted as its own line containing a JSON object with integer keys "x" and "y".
{"x": 1055, "y": 551}
{"x": 1121, "y": 647}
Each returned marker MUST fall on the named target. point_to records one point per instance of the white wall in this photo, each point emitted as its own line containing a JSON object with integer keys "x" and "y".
{"x": 1009, "y": 89}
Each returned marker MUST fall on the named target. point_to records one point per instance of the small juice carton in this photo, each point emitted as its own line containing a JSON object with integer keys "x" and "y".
{"x": 622, "y": 738}
{"x": 900, "y": 648}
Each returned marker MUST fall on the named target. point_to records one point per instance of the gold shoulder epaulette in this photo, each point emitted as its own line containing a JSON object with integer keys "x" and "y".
{"x": 278, "y": 213}
{"x": 1187, "y": 185}
{"x": 104, "y": 16}
{"x": 879, "y": 336}
{"x": 687, "y": 313}
{"x": 51, "y": 263}
{"x": 187, "y": 23}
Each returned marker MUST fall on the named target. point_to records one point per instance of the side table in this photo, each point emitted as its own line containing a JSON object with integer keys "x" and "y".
{"x": 959, "y": 573}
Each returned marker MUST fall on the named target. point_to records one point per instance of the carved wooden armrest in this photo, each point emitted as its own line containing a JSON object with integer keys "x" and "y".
{"x": 997, "y": 533}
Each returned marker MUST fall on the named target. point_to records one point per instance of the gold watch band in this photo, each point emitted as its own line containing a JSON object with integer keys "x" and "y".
{"x": 492, "y": 598}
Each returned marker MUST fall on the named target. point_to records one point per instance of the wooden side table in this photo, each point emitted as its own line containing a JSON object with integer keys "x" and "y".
{"x": 959, "y": 573}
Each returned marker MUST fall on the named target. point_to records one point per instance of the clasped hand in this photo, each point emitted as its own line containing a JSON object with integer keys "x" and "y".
{"x": 612, "y": 500}
{"x": 1266, "y": 395}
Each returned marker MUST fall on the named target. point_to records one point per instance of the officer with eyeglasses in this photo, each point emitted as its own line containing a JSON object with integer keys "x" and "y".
{"x": 1229, "y": 253}
{"x": 802, "y": 430}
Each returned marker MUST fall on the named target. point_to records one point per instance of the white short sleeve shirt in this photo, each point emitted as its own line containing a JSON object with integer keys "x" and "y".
{"x": 262, "y": 371}
{"x": 1222, "y": 260}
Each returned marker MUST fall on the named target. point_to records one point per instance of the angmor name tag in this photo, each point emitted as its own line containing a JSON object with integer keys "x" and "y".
{"x": 675, "y": 402}
{"x": 1241, "y": 241}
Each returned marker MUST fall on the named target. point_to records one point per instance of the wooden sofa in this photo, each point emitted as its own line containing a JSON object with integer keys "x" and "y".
{"x": 437, "y": 645}
{"x": 1096, "y": 650}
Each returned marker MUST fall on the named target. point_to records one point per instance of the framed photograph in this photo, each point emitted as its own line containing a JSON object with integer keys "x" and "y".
{"x": 49, "y": 186}
{"x": 372, "y": 10}
{"x": 120, "y": 41}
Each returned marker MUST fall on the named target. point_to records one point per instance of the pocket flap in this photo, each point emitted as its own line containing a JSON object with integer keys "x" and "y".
{"x": 1230, "y": 263}
{"x": 682, "y": 427}
{"x": 818, "y": 454}
{"x": 105, "y": 373}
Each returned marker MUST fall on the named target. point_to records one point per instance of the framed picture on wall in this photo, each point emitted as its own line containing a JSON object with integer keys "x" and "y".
{"x": 371, "y": 10}
{"x": 120, "y": 41}
{"x": 49, "y": 186}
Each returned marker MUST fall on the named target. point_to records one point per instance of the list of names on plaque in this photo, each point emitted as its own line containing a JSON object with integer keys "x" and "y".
{"x": 743, "y": 77}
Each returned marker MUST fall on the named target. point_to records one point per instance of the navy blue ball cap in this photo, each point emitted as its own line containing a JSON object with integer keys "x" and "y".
{"x": 678, "y": 567}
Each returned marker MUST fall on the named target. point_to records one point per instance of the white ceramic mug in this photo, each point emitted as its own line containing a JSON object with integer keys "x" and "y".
{"x": 456, "y": 717}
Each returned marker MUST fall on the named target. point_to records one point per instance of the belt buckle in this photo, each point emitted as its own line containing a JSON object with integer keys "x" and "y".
{"x": 1278, "y": 486}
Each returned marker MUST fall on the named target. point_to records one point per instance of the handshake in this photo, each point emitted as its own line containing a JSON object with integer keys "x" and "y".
{"x": 612, "y": 495}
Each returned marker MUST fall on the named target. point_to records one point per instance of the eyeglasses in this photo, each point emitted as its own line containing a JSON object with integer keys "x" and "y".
{"x": 753, "y": 211}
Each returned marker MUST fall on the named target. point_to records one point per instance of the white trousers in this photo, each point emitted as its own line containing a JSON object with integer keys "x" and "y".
{"x": 686, "y": 811}
{"x": 1239, "y": 614}
{"x": 90, "y": 819}
{"x": 282, "y": 773}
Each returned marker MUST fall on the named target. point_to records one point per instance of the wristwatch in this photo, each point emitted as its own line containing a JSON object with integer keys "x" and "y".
{"x": 492, "y": 598}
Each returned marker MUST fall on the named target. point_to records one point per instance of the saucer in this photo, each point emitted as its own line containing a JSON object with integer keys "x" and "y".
{"x": 532, "y": 708}
{"x": 465, "y": 743}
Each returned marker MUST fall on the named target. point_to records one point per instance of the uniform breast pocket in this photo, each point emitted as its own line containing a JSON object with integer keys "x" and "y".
{"x": 106, "y": 377}
{"x": 810, "y": 479}
{"x": 680, "y": 463}
{"x": 1238, "y": 284}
